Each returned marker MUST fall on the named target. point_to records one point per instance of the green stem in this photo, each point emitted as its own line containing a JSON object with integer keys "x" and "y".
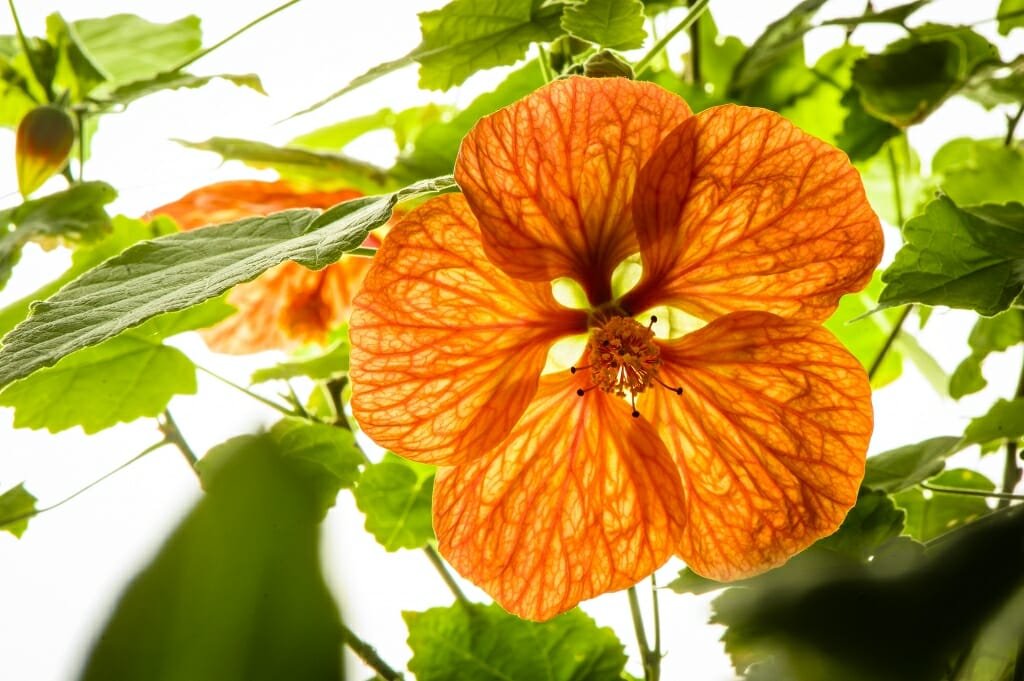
{"x": 259, "y": 398}
{"x": 897, "y": 191}
{"x": 657, "y": 617}
{"x": 1011, "y": 126}
{"x": 1002, "y": 496}
{"x": 363, "y": 252}
{"x": 890, "y": 339}
{"x": 695, "y": 11}
{"x": 651, "y": 660}
{"x": 202, "y": 53}
{"x": 368, "y": 654}
{"x": 80, "y": 119}
{"x": 32, "y": 514}
{"x": 1011, "y": 468}
{"x": 446, "y": 575}
{"x": 695, "y": 57}
{"x": 545, "y": 65}
{"x": 173, "y": 436}
{"x": 36, "y": 72}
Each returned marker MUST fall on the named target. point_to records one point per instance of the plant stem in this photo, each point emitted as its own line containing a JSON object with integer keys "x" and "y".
{"x": 1011, "y": 126}
{"x": 695, "y": 11}
{"x": 32, "y": 514}
{"x": 1002, "y": 496}
{"x": 1011, "y": 468}
{"x": 880, "y": 357}
{"x": 657, "y": 618}
{"x": 545, "y": 65}
{"x": 369, "y": 655}
{"x": 897, "y": 190}
{"x": 446, "y": 575}
{"x": 651, "y": 659}
{"x": 363, "y": 252}
{"x": 202, "y": 53}
{"x": 173, "y": 436}
{"x": 259, "y": 398}
{"x": 28, "y": 54}
{"x": 695, "y": 62}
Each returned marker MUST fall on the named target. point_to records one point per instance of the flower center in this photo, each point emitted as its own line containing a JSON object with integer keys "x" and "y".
{"x": 623, "y": 358}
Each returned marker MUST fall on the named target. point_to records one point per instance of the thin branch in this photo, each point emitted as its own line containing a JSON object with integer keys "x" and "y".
{"x": 32, "y": 514}
{"x": 657, "y": 617}
{"x": 651, "y": 661}
{"x": 942, "y": 489}
{"x": 446, "y": 575}
{"x": 202, "y": 53}
{"x": 1011, "y": 468}
{"x": 544, "y": 60}
{"x": 695, "y": 11}
{"x": 256, "y": 396}
{"x": 368, "y": 654}
{"x": 363, "y": 252}
{"x": 173, "y": 434}
{"x": 880, "y": 357}
{"x": 897, "y": 191}
{"x": 695, "y": 57}
{"x": 1011, "y": 126}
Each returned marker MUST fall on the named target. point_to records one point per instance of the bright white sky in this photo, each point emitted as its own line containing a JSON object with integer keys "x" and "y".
{"x": 60, "y": 579}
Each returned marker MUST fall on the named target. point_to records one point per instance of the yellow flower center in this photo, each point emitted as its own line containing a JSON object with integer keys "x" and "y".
{"x": 624, "y": 359}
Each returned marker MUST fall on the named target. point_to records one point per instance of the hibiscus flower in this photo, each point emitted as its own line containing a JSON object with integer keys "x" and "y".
{"x": 289, "y": 305}
{"x": 733, "y": 446}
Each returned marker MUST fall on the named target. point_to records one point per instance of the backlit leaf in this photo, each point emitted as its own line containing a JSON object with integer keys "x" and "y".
{"x": 16, "y": 505}
{"x": 326, "y": 458}
{"x": 331, "y": 362}
{"x": 894, "y": 15}
{"x": 934, "y": 515}
{"x": 395, "y": 496}
{"x": 1011, "y": 15}
{"x": 174, "y": 80}
{"x": 990, "y": 334}
{"x": 969, "y": 258}
{"x": 863, "y": 134}
{"x": 614, "y": 24}
{"x": 903, "y": 467}
{"x": 124, "y": 378}
{"x": 872, "y": 522}
{"x": 236, "y": 592}
{"x": 1004, "y": 421}
{"x": 76, "y": 71}
{"x": 181, "y": 270}
{"x": 128, "y": 48}
{"x": 865, "y": 335}
{"x": 484, "y": 643}
{"x": 979, "y": 171}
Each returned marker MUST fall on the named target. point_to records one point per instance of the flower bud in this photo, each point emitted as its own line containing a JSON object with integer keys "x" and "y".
{"x": 44, "y": 140}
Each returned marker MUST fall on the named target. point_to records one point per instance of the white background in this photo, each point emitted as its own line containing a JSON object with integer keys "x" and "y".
{"x": 59, "y": 581}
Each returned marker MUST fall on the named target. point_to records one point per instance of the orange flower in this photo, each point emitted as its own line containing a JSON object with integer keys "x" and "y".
{"x": 733, "y": 446}
{"x": 290, "y": 304}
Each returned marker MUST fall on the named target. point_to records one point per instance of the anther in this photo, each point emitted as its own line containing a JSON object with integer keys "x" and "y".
{"x": 677, "y": 390}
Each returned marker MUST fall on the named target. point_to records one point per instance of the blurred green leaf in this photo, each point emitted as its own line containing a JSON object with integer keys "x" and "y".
{"x": 892, "y": 179}
{"x": 1004, "y": 421}
{"x": 936, "y": 514}
{"x": 173, "y": 80}
{"x": 820, "y": 110}
{"x": 331, "y": 362}
{"x": 466, "y": 36}
{"x": 979, "y": 171}
{"x": 865, "y": 335}
{"x": 969, "y": 258}
{"x": 395, "y": 496}
{"x": 124, "y": 232}
{"x": 990, "y": 334}
{"x": 122, "y": 379}
{"x": 872, "y": 522}
{"x": 236, "y": 592}
{"x": 903, "y": 467}
{"x": 997, "y": 83}
{"x": 75, "y": 214}
{"x": 405, "y": 125}
{"x": 16, "y": 505}
{"x": 180, "y": 270}
{"x": 894, "y": 15}
{"x": 128, "y": 48}
{"x": 863, "y": 135}
{"x": 326, "y": 458}
{"x": 326, "y": 168}
{"x": 720, "y": 55}
{"x": 76, "y": 73}
{"x": 1011, "y": 15}
{"x": 471, "y": 642}
{"x": 614, "y": 24}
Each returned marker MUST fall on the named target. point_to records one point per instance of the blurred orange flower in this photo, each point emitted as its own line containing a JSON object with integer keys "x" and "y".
{"x": 733, "y": 446}
{"x": 290, "y": 304}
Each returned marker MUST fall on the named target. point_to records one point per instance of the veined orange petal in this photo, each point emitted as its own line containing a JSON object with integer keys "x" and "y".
{"x": 551, "y": 177}
{"x": 446, "y": 348}
{"x": 741, "y": 210}
{"x": 770, "y": 434}
{"x": 580, "y": 499}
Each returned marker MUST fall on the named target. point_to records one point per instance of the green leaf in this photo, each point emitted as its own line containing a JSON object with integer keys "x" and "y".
{"x": 689, "y": 582}
{"x": 180, "y": 270}
{"x": 127, "y": 377}
{"x": 894, "y": 15}
{"x": 997, "y": 83}
{"x": 471, "y": 642}
{"x": 872, "y": 522}
{"x": 979, "y": 171}
{"x": 124, "y": 232}
{"x": 128, "y": 48}
{"x": 903, "y": 467}
{"x": 406, "y": 126}
{"x": 990, "y": 334}
{"x": 892, "y": 178}
{"x": 298, "y": 163}
{"x": 173, "y": 80}
{"x": 326, "y": 458}
{"x": 863, "y": 135}
{"x": 330, "y": 363}
{"x": 867, "y": 333}
{"x": 75, "y": 214}
{"x": 76, "y": 73}
{"x": 969, "y": 258}
{"x": 930, "y": 517}
{"x": 395, "y": 496}
{"x": 819, "y": 110}
{"x": 1011, "y": 15}
{"x": 236, "y": 592}
{"x": 1004, "y": 421}
{"x": 614, "y": 24}
{"x": 17, "y": 505}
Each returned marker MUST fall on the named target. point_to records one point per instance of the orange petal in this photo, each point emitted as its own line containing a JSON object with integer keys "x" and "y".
{"x": 446, "y": 348}
{"x": 581, "y": 499}
{"x": 551, "y": 177}
{"x": 771, "y": 433}
{"x": 740, "y": 210}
